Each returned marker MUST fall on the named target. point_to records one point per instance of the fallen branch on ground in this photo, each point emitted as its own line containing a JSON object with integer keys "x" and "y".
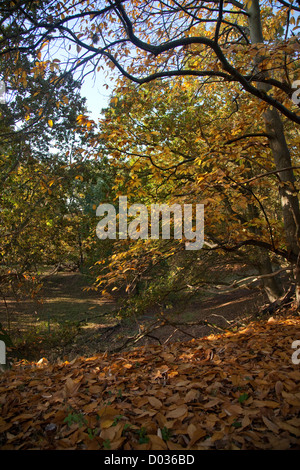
{"x": 281, "y": 302}
{"x": 246, "y": 282}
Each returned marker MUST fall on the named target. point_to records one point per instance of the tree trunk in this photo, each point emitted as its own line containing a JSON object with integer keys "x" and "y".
{"x": 271, "y": 285}
{"x": 282, "y": 159}
{"x": 261, "y": 260}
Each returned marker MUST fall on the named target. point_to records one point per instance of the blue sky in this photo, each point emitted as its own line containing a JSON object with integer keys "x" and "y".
{"x": 94, "y": 90}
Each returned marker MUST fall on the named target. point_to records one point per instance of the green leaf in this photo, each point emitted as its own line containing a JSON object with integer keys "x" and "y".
{"x": 243, "y": 397}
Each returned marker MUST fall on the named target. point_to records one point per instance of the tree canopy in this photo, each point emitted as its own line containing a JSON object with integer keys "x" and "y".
{"x": 204, "y": 115}
{"x": 204, "y": 110}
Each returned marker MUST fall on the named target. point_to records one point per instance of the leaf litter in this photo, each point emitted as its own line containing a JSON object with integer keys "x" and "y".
{"x": 236, "y": 390}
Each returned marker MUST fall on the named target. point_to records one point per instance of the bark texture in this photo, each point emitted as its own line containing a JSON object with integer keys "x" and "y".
{"x": 282, "y": 159}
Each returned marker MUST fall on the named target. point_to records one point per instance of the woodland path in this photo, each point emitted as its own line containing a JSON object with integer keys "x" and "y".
{"x": 65, "y": 300}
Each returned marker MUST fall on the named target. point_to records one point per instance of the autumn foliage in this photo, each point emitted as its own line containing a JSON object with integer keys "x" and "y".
{"x": 238, "y": 390}
{"x": 204, "y": 110}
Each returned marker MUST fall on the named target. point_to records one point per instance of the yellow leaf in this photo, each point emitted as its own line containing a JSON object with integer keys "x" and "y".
{"x": 50, "y": 123}
{"x": 107, "y": 423}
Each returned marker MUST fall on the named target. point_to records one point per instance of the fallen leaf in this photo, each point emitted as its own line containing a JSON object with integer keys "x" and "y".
{"x": 157, "y": 404}
{"x": 191, "y": 395}
{"x": 270, "y": 425}
{"x": 107, "y": 423}
{"x": 196, "y": 435}
{"x": 157, "y": 442}
{"x": 177, "y": 412}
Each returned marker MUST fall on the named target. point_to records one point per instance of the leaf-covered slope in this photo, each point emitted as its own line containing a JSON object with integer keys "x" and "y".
{"x": 232, "y": 391}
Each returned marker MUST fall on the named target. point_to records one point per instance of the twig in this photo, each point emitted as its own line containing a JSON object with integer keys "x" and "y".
{"x": 154, "y": 337}
{"x": 170, "y": 336}
{"x": 194, "y": 323}
{"x": 247, "y": 281}
{"x": 134, "y": 339}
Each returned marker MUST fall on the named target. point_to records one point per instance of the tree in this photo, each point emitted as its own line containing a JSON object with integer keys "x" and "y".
{"x": 170, "y": 149}
{"x": 39, "y": 138}
{"x": 250, "y": 44}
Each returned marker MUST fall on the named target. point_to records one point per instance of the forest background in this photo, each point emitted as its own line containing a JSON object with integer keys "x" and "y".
{"x": 203, "y": 108}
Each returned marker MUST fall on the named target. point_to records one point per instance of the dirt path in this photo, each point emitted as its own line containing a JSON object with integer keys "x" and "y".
{"x": 65, "y": 301}
{"x": 220, "y": 312}
{"x": 63, "y": 298}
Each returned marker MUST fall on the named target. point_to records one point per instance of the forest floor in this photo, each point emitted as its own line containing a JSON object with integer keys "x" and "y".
{"x": 47, "y": 326}
{"x": 220, "y": 390}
